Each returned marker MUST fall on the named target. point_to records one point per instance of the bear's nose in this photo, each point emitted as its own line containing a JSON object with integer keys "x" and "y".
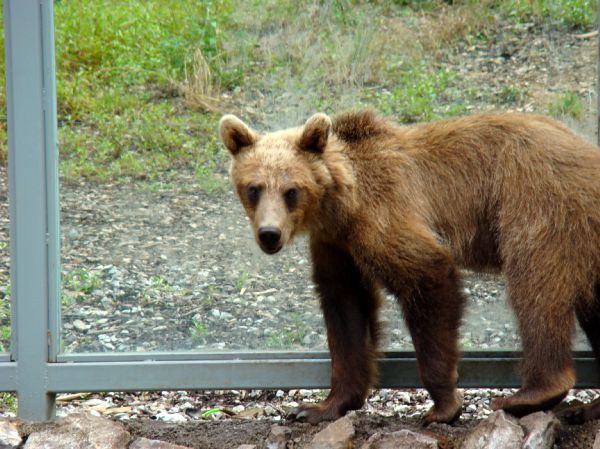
{"x": 269, "y": 236}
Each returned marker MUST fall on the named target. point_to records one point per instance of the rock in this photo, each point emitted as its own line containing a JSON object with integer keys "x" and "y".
{"x": 247, "y": 446}
{"x": 404, "y": 397}
{"x": 9, "y": 435}
{"x": 170, "y": 417}
{"x": 80, "y": 431}
{"x": 278, "y": 437}
{"x": 541, "y": 429}
{"x": 402, "y": 439}
{"x": 270, "y": 411}
{"x": 499, "y": 431}
{"x": 337, "y": 435}
{"x": 238, "y": 409}
{"x": 597, "y": 441}
{"x": 144, "y": 443}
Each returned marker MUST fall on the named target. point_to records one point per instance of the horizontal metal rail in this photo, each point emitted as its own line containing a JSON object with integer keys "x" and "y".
{"x": 8, "y": 376}
{"x": 114, "y": 372}
{"x": 266, "y": 355}
{"x": 165, "y": 371}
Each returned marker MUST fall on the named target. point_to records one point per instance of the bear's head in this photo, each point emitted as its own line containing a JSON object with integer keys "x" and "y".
{"x": 280, "y": 177}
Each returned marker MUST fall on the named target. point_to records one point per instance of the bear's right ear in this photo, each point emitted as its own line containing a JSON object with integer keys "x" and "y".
{"x": 235, "y": 134}
{"x": 315, "y": 133}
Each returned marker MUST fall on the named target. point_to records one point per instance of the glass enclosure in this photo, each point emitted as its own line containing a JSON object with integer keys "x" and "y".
{"x": 157, "y": 254}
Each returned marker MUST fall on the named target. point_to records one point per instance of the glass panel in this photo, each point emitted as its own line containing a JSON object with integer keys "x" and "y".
{"x": 157, "y": 252}
{"x": 5, "y": 330}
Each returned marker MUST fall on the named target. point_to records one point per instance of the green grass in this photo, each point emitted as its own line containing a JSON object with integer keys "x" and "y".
{"x": 290, "y": 336}
{"x": 79, "y": 283}
{"x": 8, "y": 402}
{"x": 421, "y": 94}
{"x": 568, "y": 104}
{"x": 198, "y": 331}
{"x": 121, "y": 68}
{"x": 5, "y": 327}
{"x": 573, "y": 13}
{"x": 140, "y": 83}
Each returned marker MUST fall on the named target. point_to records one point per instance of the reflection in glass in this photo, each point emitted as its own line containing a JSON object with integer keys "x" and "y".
{"x": 157, "y": 252}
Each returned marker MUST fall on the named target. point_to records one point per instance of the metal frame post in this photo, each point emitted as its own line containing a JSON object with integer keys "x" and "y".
{"x": 33, "y": 190}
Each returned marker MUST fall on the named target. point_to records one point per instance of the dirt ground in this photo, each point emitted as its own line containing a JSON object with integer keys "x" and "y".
{"x": 230, "y": 434}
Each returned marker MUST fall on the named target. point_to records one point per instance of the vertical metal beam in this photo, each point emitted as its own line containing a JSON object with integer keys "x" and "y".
{"x": 52, "y": 179}
{"x": 33, "y": 196}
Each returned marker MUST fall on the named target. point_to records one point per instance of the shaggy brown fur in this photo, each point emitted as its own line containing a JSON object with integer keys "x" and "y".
{"x": 401, "y": 208}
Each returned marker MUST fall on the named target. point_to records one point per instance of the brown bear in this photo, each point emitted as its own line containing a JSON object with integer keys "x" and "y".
{"x": 401, "y": 208}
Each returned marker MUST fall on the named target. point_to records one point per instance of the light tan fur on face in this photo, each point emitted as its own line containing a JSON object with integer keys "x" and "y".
{"x": 277, "y": 162}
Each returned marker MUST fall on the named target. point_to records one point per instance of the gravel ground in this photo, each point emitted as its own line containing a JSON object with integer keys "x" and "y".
{"x": 175, "y": 269}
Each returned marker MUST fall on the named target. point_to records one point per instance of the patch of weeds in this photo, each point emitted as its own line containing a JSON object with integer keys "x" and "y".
{"x": 209, "y": 300}
{"x": 198, "y": 331}
{"x": 115, "y": 62}
{"x": 8, "y": 402}
{"x": 511, "y": 95}
{"x": 242, "y": 281}
{"x": 139, "y": 144}
{"x": 5, "y": 328}
{"x": 291, "y": 336}
{"x": 286, "y": 338}
{"x": 5, "y": 292}
{"x": 209, "y": 181}
{"x": 5, "y": 333}
{"x": 574, "y": 13}
{"x": 420, "y": 95}
{"x": 567, "y": 104}
{"x": 447, "y": 24}
{"x": 160, "y": 284}
{"x": 78, "y": 283}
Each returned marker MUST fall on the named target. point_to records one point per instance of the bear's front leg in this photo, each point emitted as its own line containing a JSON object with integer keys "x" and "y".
{"x": 432, "y": 313}
{"x": 350, "y": 303}
{"x": 422, "y": 274}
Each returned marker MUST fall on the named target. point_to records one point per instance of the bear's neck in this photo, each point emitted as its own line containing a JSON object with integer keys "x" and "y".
{"x": 339, "y": 201}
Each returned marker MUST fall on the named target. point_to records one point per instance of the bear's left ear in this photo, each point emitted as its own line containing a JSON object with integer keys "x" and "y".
{"x": 235, "y": 134}
{"x": 315, "y": 133}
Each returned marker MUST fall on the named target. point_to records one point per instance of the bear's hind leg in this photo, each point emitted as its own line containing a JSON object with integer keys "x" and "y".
{"x": 588, "y": 316}
{"x": 432, "y": 314}
{"x": 350, "y": 304}
{"x": 544, "y": 311}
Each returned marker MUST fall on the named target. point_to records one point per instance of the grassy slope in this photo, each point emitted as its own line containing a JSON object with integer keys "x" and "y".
{"x": 141, "y": 84}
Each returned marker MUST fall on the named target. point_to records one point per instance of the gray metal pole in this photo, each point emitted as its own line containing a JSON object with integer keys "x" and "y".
{"x": 33, "y": 189}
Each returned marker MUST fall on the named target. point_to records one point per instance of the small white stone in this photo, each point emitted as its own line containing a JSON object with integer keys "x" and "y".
{"x": 238, "y": 409}
{"x": 270, "y": 411}
{"x": 305, "y": 393}
{"x": 404, "y": 397}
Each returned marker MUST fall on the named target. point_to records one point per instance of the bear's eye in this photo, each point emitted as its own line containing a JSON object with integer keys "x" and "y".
{"x": 291, "y": 197}
{"x": 253, "y": 192}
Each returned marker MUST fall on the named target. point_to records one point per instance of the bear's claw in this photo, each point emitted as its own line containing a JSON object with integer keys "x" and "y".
{"x": 313, "y": 414}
